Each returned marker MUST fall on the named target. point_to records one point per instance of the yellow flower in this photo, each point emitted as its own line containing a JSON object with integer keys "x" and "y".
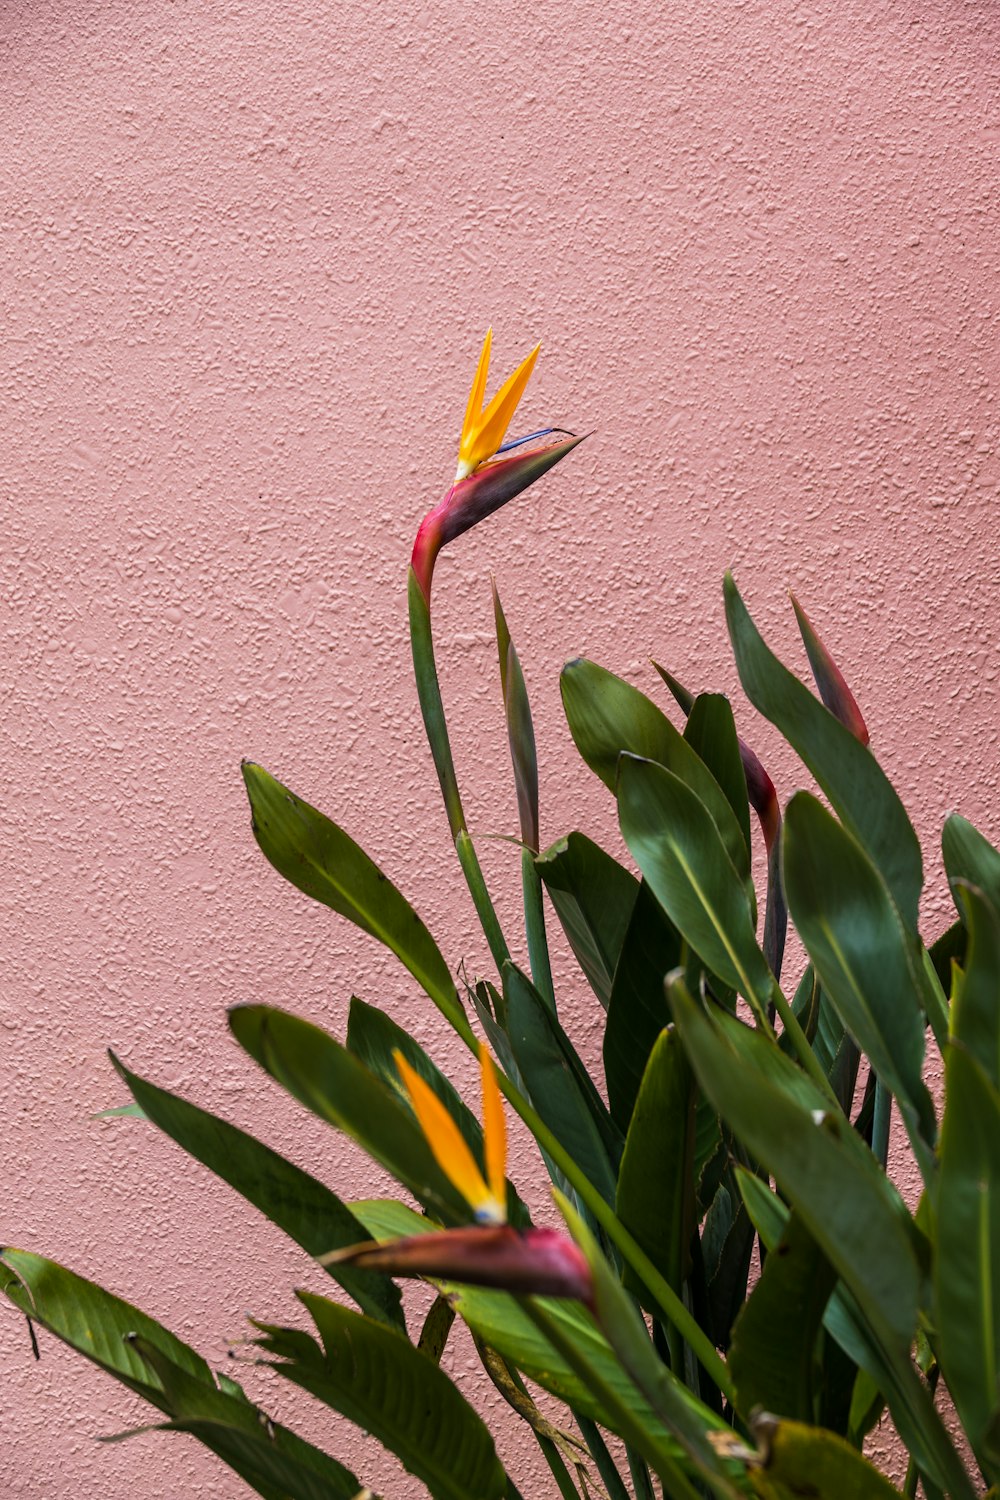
{"x": 491, "y": 1252}
{"x": 486, "y": 1196}
{"x": 483, "y": 430}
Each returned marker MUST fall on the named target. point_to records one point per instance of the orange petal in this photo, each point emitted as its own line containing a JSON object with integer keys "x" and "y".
{"x": 446, "y": 1141}
{"x": 474, "y": 406}
{"x": 494, "y": 1130}
{"x": 498, "y": 415}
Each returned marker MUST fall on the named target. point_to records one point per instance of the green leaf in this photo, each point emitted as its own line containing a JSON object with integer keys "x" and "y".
{"x": 971, "y": 858}
{"x": 967, "y": 1258}
{"x": 807, "y": 1461}
{"x": 373, "y": 1037}
{"x": 593, "y": 896}
{"x": 949, "y": 948}
{"x": 765, "y": 1208}
{"x": 711, "y": 731}
{"x": 773, "y": 1354}
{"x": 608, "y": 717}
{"x": 337, "y": 1086}
{"x": 678, "y": 849}
{"x": 520, "y": 731}
{"x": 916, "y": 1419}
{"x": 274, "y": 1461}
{"x": 851, "y": 1210}
{"x": 867, "y": 961}
{"x": 655, "y": 1198}
{"x": 847, "y": 772}
{"x": 637, "y": 1012}
{"x": 149, "y": 1360}
{"x": 975, "y": 1015}
{"x": 303, "y": 1207}
{"x": 376, "y": 1378}
{"x": 92, "y": 1321}
{"x": 558, "y": 1085}
{"x": 321, "y": 860}
{"x": 826, "y": 1172}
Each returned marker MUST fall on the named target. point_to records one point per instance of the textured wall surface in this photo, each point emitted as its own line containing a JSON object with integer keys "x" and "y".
{"x": 249, "y": 254}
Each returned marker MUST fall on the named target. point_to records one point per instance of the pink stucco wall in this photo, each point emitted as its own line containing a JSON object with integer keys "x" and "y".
{"x": 249, "y": 254}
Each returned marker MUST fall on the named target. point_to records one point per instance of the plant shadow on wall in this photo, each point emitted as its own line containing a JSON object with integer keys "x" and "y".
{"x": 737, "y": 1111}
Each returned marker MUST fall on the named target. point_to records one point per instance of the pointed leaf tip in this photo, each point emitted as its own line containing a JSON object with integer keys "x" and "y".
{"x": 830, "y": 681}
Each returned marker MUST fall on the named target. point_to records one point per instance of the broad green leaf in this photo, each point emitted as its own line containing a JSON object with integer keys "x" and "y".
{"x": 655, "y": 1198}
{"x": 558, "y": 1085}
{"x": 759, "y": 1052}
{"x": 773, "y": 1353}
{"x": 711, "y": 731}
{"x": 376, "y": 1378}
{"x": 637, "y": 1012}
{"x": 149, "y": 1360}
{"x": 916, "y": 1418}
{"x": 851, "y": 1210}
{"x": 975, "y": 1015}
{"x": 949, "y": 948}
{"x": 303, "y": 1207}
{"x": 968, "y": 856}
{"x": 847, "y": 772}
{"x": 273, "y": 1461}
{"x": 608, "y": 717}
{"x": 867, "y": 961}
{"x": 89, "y": 1319}
{"x": 967, "y": 1258}
{"x": 678, "y": 849}
{"x": 373, "y": 1037}
{"x": 337, "y": 1086}
{"x": 321, "y": 860}
{"x": 593, "y": 896}
{"x": 806, "y": 1461}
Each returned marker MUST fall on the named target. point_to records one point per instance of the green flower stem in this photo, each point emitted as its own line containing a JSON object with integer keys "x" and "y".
{"x": 670, "y": 1305}
{"x": 432, "y": 710}
{"x": 621, "y": 1415}
{"x": 485, "y": 911}
{"x": 534, "y": 927}
{"x": 558, "y": 1468}
{"x": 639, "y": 1472}
{"x": 610, "y": 1477}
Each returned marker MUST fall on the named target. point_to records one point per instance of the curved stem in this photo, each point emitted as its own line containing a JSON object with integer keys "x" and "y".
{"x": 610, "y": 1477}
{"x": 432, "y": 711}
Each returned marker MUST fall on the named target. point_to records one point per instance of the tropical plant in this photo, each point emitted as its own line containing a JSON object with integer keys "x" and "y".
{"x": 733, "y": 1115}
